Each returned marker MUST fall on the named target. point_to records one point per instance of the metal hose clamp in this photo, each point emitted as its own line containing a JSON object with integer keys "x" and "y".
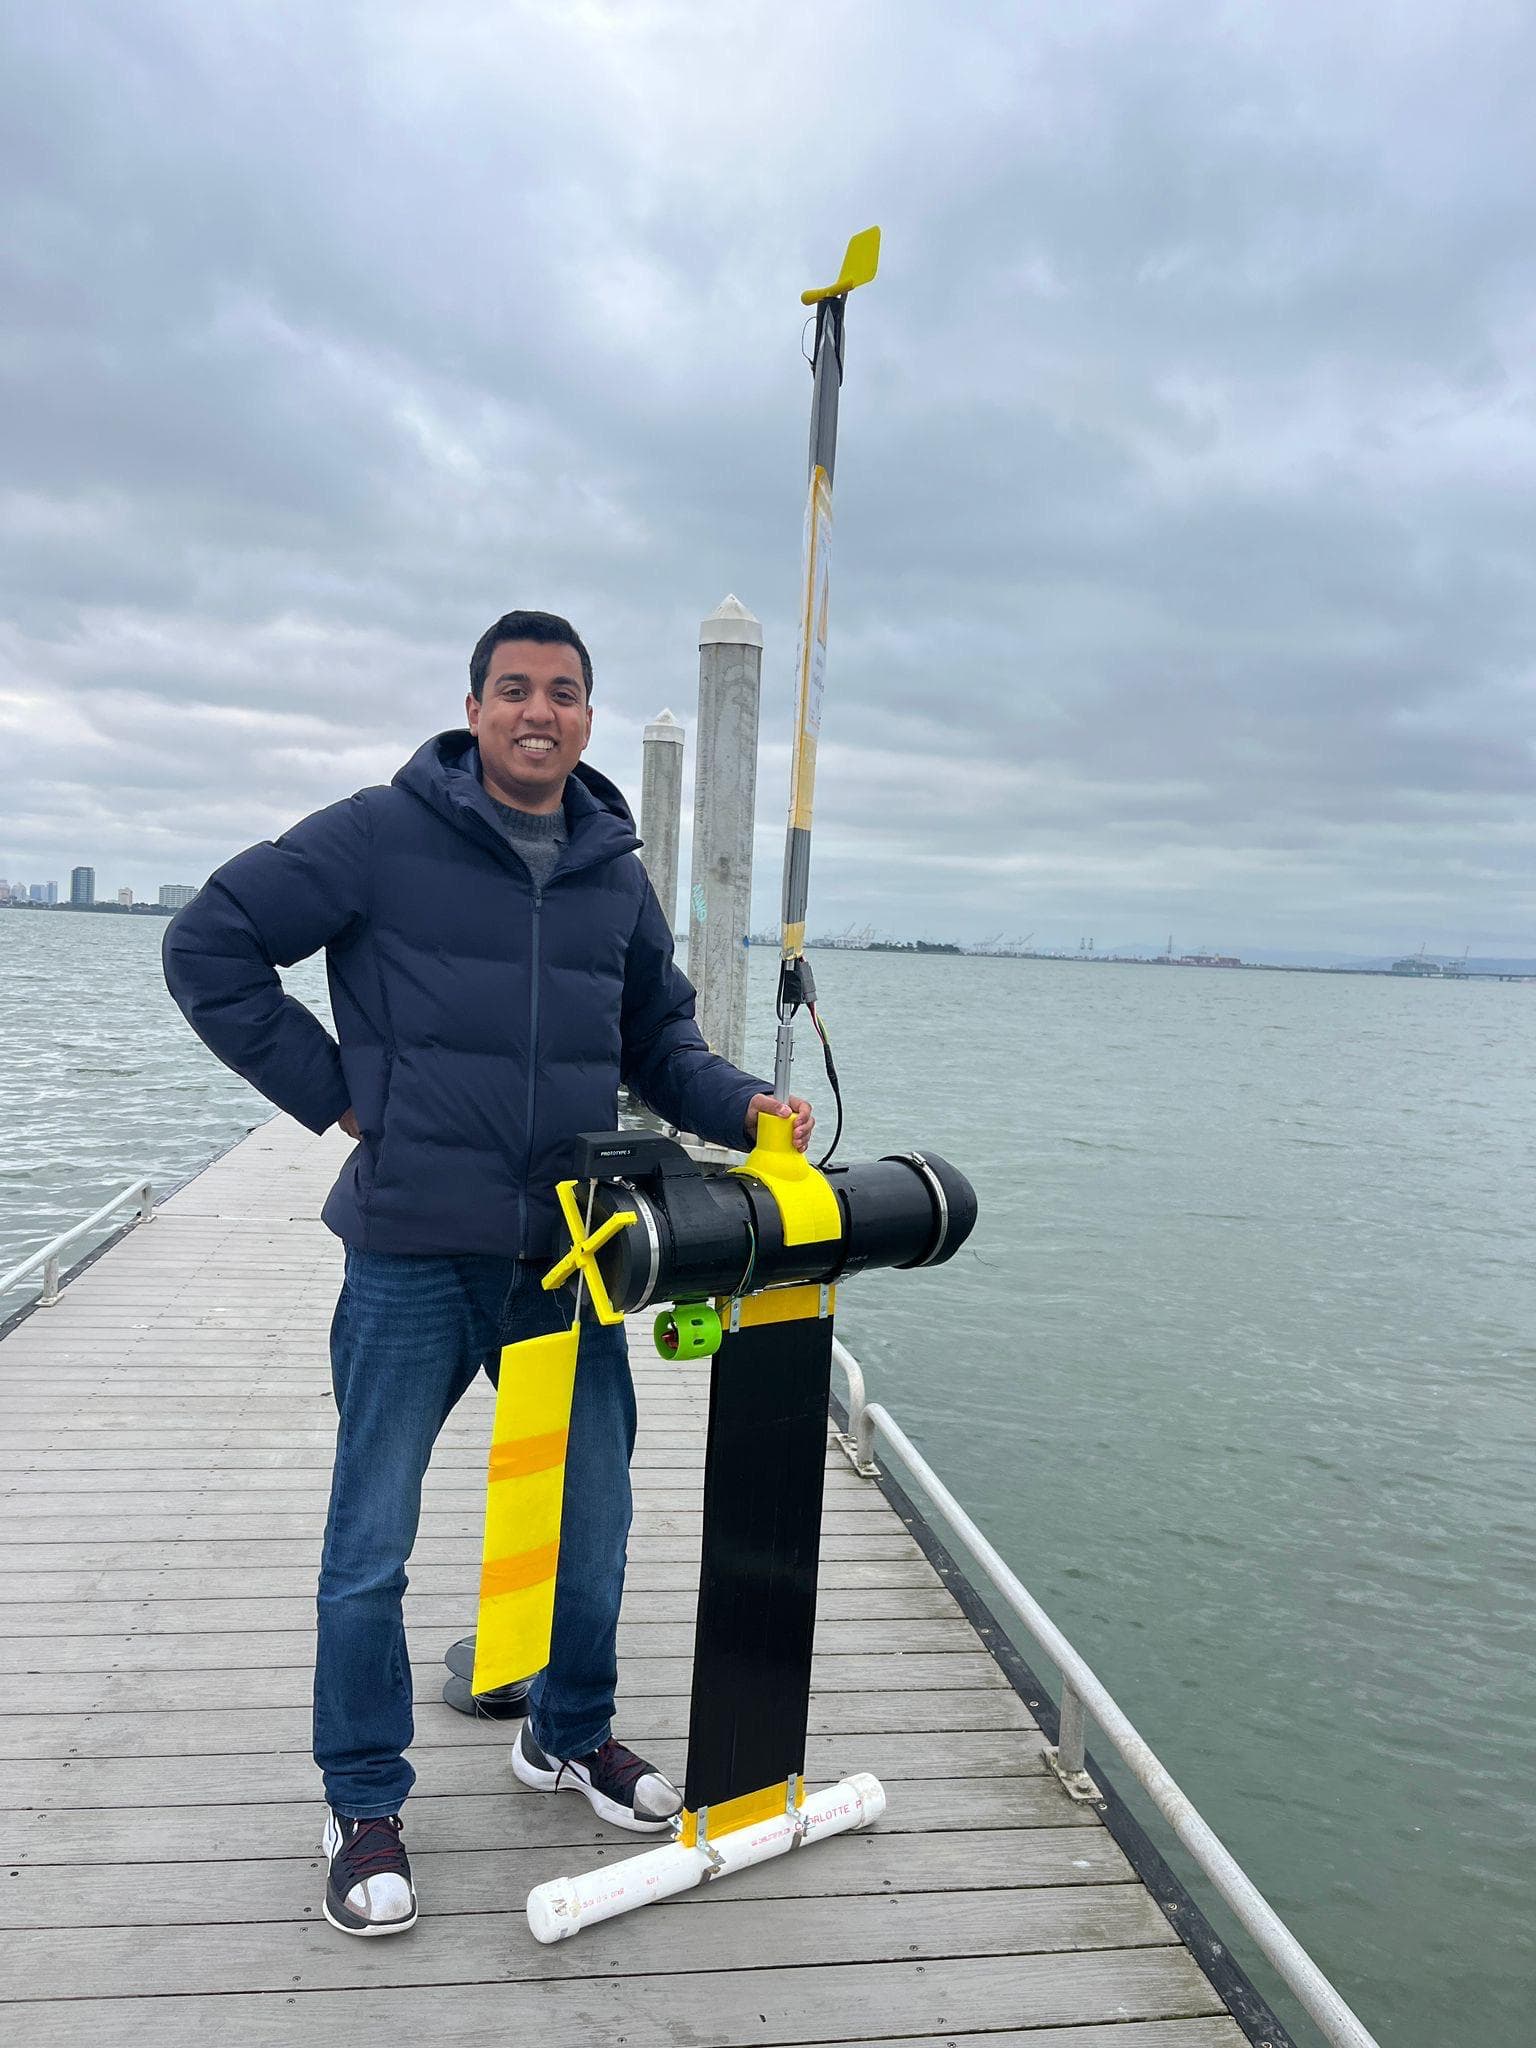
{"x": 941, "y": 1202}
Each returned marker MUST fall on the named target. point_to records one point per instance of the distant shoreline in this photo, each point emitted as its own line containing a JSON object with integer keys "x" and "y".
{"x": 1256, "y": 966}
{"x": 927, "y": 950}
{"x": 107, "y": 909}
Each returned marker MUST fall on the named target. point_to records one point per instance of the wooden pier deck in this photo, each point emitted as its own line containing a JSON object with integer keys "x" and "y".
{"x": 167, "y": 1431}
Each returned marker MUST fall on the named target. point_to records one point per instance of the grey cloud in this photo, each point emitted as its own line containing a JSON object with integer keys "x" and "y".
{"x": 1189, "y": 452}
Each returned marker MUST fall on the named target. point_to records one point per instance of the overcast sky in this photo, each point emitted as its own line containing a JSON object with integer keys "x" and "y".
{"x": 1185, "y": 564}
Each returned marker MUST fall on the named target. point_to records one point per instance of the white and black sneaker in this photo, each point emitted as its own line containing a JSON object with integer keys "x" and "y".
{"x": 619, "y": 1785}
{"x": 369, "y": 1890}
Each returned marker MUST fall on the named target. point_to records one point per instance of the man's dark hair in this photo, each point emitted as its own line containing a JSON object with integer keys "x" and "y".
{"x": 542, "y": 627}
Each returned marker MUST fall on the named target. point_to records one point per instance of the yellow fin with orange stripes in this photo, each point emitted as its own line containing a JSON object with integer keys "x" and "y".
{"x": 525, "y": 1485}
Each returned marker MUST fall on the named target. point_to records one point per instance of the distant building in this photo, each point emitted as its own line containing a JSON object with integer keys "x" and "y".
{"x": 82, "y": 886}
{"x": 35, "y": 893}
{"x": 176, "y": 895}
{"x": 50, "y": 892}
{"x": 5, "y": 890}
{"x": 125, "y": 897}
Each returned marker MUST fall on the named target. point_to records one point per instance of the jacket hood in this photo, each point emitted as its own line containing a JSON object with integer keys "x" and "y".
{"x": 445, "y": 774}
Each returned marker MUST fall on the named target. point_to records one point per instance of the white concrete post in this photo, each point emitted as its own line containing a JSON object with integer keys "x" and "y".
{"x": 661, "y": 808}
{"x": 724, "y": 801}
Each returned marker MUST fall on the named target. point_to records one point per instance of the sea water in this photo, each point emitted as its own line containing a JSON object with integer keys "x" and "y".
{"x": 1238, "y": 1371}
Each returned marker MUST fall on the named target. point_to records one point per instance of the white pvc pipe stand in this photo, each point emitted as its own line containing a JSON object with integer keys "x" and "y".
{"x": 564, "y": 1905}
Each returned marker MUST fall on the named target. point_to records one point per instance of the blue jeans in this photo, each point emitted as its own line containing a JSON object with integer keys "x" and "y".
{"x": 408, "y": 1337}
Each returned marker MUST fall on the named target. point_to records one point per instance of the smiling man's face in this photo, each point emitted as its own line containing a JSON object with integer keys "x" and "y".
{"x": 532, "y": 722}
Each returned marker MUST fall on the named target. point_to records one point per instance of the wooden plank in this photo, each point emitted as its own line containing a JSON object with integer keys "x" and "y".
{"x": 203, "y": 1517}
{"x": 191, "y": 1391}
{"x": 169, "y": 1582}
{"x": 207, "y": 1893}
{"x": 238, "y": 1553}
{"x": 291, "y": 1476}
{"x": 232, "y": 1485}
{"x": 303, "y": 1451}
{"x": 180, "y": 1369}
{"x": 235, "y": 1729}
{"x": 221, "y": 1635}
{"x": 102, "y": 1690}
{"x": 306, "y": 1454}
{"x": 243, "y": 1778}
{"x": 58, "y": 1383}
{"x": 200, "y": 1396}
{"x": 165, "y": 1611}
{"x": 486, "y": 1820}
{"x": 295, "y": 1422}
{"x": 854, "y": 2003}
{"x": 1192, "y": 2033}
{"x": 96, "y": 1323}
{"x": 705, "y": 1932}
{"x": 310, "y": 1427}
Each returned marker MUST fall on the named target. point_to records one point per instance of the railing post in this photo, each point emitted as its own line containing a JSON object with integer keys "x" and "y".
{"x": 50, "y": 1293}
{"x": 864, "y": 1446}
{"x": 1069, "y": 1740}
{"x": 147, "y": 1204}
{"x": 1066, "y": 1759}
{"x": 857, "y": 1441}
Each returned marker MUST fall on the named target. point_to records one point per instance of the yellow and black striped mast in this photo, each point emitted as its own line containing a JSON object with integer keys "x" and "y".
{"x": 758, "y": 1297}
{"x": 795, "y": 984}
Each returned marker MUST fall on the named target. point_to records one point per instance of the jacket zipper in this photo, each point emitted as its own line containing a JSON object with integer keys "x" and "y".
{"x": 533, "y": 1067}
{"x": 531, "y": 1104}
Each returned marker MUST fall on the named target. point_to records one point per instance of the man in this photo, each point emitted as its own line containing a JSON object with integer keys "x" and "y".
{"x": 497, "y": 962}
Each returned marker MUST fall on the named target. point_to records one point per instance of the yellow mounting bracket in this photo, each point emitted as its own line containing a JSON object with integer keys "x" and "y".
{"x": 584, "y": 1250}
{"x": 859, "y": 267}
{"x": 804, "y": 1195}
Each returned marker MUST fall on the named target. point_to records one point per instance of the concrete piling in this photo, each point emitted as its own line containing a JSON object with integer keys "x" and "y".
{"x": 724, "y": 801}
{"x": 661, "y": 808}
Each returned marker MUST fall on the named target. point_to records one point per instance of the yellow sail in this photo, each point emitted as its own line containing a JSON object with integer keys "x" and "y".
{"x": 524, "y": 1491}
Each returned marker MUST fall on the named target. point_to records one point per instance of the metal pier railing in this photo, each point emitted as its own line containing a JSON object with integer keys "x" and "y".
{"x": 140, "y": 1193}
{"x": 1084, "y": 1697}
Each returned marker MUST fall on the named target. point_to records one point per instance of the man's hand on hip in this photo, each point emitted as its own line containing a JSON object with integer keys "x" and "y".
{"x": 347, "y": 1122}
{"x": 798, "y": 1108}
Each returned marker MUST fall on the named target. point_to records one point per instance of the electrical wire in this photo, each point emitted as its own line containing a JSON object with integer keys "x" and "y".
{"x": 837, "y": 1092}
{"x": 797, "y": 991}
{"x": 744, "y": 1284}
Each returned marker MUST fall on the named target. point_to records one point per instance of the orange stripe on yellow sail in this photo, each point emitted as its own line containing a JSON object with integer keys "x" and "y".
{"x": 521, "y": 1455}
{"x": 524, "y": 1568}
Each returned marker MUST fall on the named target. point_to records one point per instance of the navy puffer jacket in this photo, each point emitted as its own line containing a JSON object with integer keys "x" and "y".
{"x": 482, "y": 1022}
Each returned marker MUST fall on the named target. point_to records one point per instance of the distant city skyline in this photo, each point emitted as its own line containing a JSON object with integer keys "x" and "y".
{"x": 171, "y": 895}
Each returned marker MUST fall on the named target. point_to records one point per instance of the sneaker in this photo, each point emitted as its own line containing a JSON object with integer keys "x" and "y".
{"x": 619, "y": 1785}
{"x": 369, "y": 1890}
